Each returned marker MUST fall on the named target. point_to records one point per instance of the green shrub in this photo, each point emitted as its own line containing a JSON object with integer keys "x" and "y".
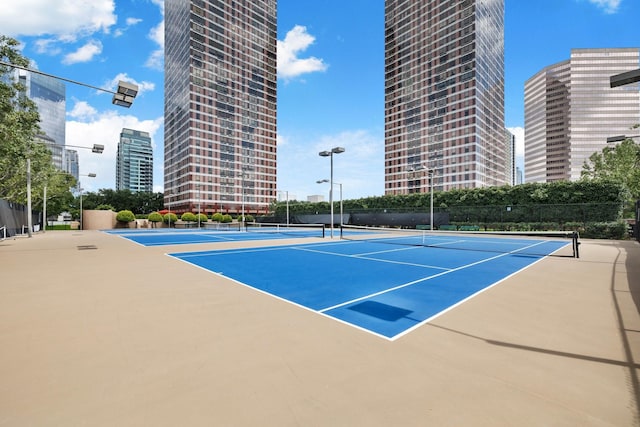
{"x": 201, "y": 218}
{"x": 105, "y": 208}
{"x": 125, "y": 216}
{"x": 188, "y": 217}
{"x": 247, "y": 218}
{"x": 155, "y": 217}
{"x": 217, "y": 217}
{"x": 605, "y": 230}
{"x": 59, "y": 227}
{"x": 226, "y": 218}
{"x": 170, "y": 217}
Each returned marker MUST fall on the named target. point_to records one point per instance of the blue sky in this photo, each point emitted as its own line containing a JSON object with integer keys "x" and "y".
{"x": 330, "y": 68}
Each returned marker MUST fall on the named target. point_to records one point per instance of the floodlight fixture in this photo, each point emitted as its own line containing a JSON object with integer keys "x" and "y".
{"x": 620, "y": 138}
{"x": 626, "y": 78}
{"x": 326, "y": 153}
{"x": 125, "y": 94}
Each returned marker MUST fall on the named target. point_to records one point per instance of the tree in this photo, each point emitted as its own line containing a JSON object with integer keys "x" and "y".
{"x": 138, "y": 203}
{"x": 619, "y": 163}
{"x": 18, "y": 128}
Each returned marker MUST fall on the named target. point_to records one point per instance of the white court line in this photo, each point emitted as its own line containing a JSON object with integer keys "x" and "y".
{"x": 371, "y": 259}
{"x": 226, "y": 252}
{"x": 424, "y": 279}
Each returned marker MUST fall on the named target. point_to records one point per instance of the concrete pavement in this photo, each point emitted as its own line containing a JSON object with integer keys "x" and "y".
{"x": 98, "y": 331}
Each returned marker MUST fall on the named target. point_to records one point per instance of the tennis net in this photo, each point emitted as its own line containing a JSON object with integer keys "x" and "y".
{"x": 222, "y": 226}
{"x": 299, "y": 230}
{"x": 539, "y": 243}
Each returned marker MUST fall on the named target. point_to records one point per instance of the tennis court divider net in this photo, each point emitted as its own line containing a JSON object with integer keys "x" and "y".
{"x": 223, "y": 226}
{"x": 539, "y": 243}
{"x": 300, "y": 230}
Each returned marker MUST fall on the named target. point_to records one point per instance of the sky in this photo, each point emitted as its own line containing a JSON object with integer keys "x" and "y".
{"x": 330, "y": 76}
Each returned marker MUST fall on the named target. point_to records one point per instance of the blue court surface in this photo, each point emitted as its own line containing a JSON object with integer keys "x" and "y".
{"x": 166, "y": 236}
{"x": 381, "y": 288}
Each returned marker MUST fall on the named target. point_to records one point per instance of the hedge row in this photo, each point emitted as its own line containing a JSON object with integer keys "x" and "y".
{"x": 564, "y": 201}
{"x": 590, "y": 230}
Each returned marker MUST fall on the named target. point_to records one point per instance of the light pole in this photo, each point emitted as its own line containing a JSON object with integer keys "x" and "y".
{"x": 242, "y": 176}
{"x": 335, "y": 150}
{"x": 123, "y": 97}
{"x": 335, "y": 183}
{"x": 287, "y": 196}
{"x": 90, "y": 175}
{"x": 625, "y": 78}
{"x": 430, "y": 173}
{"x": 97, "y": 148}
{"x": 620, "y": 138}
{"x": 198, "y": 185}
{"x": 169, "y": 206}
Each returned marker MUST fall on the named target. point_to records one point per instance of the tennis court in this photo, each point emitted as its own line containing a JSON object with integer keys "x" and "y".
{"x": 219, "y": 233}
{"x": 386, "y": 289}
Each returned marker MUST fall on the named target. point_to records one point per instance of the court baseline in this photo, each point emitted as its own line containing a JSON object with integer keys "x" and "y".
{"x": 387, "y": 292}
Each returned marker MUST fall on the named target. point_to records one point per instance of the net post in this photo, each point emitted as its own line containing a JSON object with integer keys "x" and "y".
{"x": 576, "y": 245}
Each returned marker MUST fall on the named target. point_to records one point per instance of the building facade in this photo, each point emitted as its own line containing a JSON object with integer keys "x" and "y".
{"x": 220, "y": 105}
{"x": 134, "y": 162}
{"x": 510, "y": 157}
{"x": 444, "y": 95}
{"x": 49, "y": 95}
{"x": 571, "y": 110}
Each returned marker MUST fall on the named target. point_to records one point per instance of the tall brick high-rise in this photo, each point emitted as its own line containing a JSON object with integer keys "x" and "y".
{"x": 444, "y": 95}
{"x": 220, "y": 105}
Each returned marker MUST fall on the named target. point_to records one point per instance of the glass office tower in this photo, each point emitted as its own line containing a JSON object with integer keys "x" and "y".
{"x": 220, "y": 105}
{"x": 134, "y": 162}
{"x": 444, "y": 95}
{"x": 49, "y": 95}
{"x": 571, "y": 110}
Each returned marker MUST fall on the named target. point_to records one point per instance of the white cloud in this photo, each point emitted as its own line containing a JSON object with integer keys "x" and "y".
{"x": 281, "y": 140}
{"x": 143, "y": 86}
{"x": 360, "y": 169}
{"x": 519, "y": 133}
{"x": 84, "y": 53}
{"x": 609, "y": 6}
{"x": 66, "y": 20}
{"x": 156, "y": 59}
{"x": 132, "y": 21}
{"x": 104, "y": 128}
{"x": 82, "y": 110}
{"x": 129, "y": 22}
{"x": 160, "y": 4}
{"x": 47, "y": 46}
{"x": 296, "y": 42}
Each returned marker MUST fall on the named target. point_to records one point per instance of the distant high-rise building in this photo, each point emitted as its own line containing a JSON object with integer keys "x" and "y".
{"x": 220, "y": 105}
{"x": 72, "y": 163}
{"x": 49, "y": 95}
{"x": 519, "y": 176}
{"x": 510, "y": 141}
{"x": 134, "y": 162}
{"x": 444, "y": 94}
{"x": 570, "y": 110}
